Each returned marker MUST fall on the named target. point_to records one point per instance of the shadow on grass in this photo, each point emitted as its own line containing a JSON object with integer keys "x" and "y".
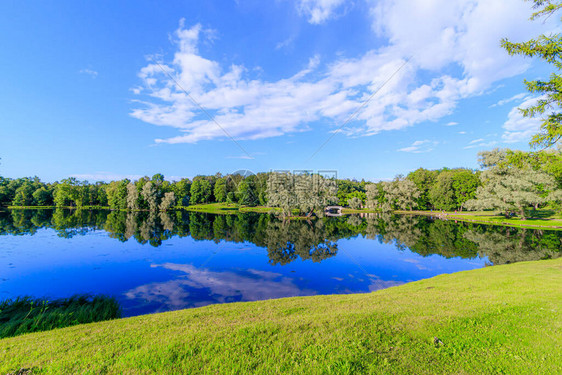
{"x": 541, "y": 214}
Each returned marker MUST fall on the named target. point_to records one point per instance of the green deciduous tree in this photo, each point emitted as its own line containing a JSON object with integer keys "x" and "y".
{"x": 132, "y": 196}
{"x": 246, "y": 193}
{"x": 510, "y": 188}
{"x": 374, "y": 196}
{"x": 117, "y": 194}
{"x": 452, "y": 188}
{"x": 150, "y": 195}
{"x": 362, "y": 196}
{"x": 354, "y": 203}
{"x": 200, "y": 191}
{"x": 230, "y": 197}
{"x": 401, "y": 194}
{"x": 168, "y": 201}
{"x": 67, "y": 193}
{"x": 549, "y": 161}
{"x": 424, "y": 180}
{"x": 182, "y": 191}
{"x": 220, "y": 190}
{"x": 465, "y": 183}
{"x": 305, "y": 193}
{"x": 43, "y": 197}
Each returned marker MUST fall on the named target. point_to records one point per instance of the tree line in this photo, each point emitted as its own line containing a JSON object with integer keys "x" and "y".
{"x": 509, "y": 181}
{"x": 153, "y": 194}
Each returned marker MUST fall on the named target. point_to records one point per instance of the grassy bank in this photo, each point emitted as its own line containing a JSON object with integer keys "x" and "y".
{"x": 54, "y": 207}
{"x": 211, "y": 208}
{"x": 501, "y": 319}
{"x": 226, "y": 208}
{"x": 25, "y": 314}
{"x": 545, "y": 219}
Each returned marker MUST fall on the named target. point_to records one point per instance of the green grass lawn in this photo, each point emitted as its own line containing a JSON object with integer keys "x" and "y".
{"x": 500, "y": 319}
{"x": 541, "y": 218}
{"x": 226, "y": 208}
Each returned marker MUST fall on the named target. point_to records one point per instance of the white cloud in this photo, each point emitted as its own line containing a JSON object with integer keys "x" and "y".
{"x": 509, "y": 100}
{"x": 458, "y": 50}
{"x": 476, "y": 141}
{"x": 463, "y": 32}
{"x": 518, "y": 128}
{"x": 285, "y": 43}
{"x": 420, "y": 146}
{"x": 452, "y": 123}
{"x": 319, "y": 11}
{"x": 482, "y": 142}
{"x": 90, "y": 72}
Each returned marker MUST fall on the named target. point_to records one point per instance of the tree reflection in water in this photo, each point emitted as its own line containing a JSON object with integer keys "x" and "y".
{"x": 289, "y": 240}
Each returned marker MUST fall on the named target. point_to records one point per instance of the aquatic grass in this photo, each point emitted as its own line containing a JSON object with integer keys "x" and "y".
{"x": 26, "y": 314}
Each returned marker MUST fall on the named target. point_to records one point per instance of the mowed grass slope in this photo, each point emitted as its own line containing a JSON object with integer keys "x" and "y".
{"x": 501, "y": 319}
{"x": 539, "y": 219}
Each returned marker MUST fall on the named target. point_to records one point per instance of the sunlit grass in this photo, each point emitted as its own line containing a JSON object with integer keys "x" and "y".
{"x": 542, "y": 218}
{"x": 227, "y": 208}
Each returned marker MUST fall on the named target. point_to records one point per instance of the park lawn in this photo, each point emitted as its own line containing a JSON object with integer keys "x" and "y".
{"x": 346, "y": 210}
{"x": 542, "y": 218}
{"x": 213, "y": 208}
{"x": 65, "y": 207}
{"x": 226, "y": 208}
{"x": 500, "y": 319}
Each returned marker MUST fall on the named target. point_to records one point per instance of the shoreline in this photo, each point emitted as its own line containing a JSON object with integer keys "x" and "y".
{"x": 227, "y": 209}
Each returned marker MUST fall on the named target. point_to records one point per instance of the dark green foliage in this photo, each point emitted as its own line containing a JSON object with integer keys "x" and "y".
{"x": 182, "y": 190}
{"x": 247, "y": 193}
{"x": 348, "y": 189}
{"x": 424, "y": 180}
{"x": 230, "y": 197}
{"x": 201, "y": 190}
{"x": 25, "y": 314}
{"x": 220, "y": 190}
{"x": 43, "y": 197}
{"x": 117, "y": 194}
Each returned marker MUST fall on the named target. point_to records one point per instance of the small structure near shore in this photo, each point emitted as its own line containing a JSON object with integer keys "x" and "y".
{"x": 329, "y": 211}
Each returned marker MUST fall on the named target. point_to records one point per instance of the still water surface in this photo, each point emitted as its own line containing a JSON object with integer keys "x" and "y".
{"x": 169, "y": 261}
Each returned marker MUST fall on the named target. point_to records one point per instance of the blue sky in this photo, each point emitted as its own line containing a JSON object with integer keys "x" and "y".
{"x": 95, "y": 89}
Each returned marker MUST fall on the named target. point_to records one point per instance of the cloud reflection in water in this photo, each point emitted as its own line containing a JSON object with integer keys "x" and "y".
{"x": 202, "y": 286}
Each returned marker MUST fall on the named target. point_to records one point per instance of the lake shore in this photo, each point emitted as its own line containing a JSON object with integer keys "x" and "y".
{"x": 550, "y": 222}
{"x": 468, "y": 322}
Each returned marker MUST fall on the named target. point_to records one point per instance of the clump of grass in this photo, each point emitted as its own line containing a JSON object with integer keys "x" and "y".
{"x": 26, "y": 314}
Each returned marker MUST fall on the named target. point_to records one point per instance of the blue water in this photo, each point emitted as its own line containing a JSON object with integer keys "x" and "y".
{"x": 185, "y": 272}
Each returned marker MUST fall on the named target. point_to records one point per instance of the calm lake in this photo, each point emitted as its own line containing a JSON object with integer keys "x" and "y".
{"x": 168, "y": 261}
